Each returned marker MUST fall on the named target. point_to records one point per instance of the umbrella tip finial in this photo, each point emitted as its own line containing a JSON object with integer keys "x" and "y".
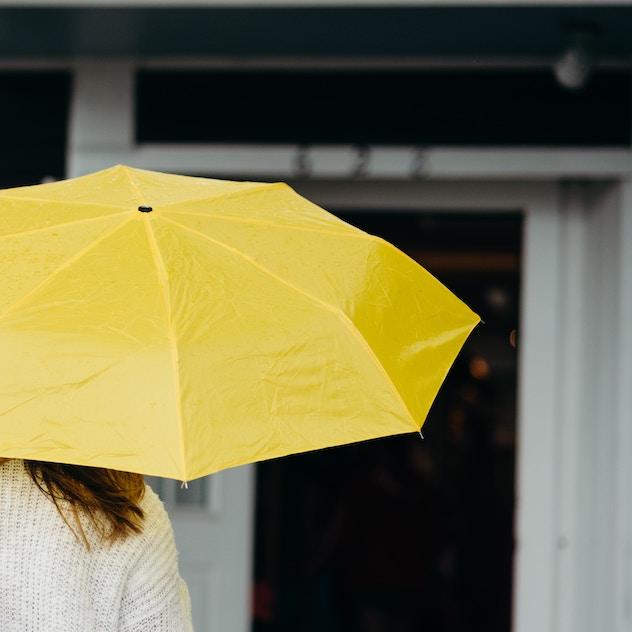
{"x": 420, "y": 434}
{"x": 184, "y": 484}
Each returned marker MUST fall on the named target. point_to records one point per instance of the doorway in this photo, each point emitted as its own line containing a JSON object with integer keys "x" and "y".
{"x": 33, "y": 126}
{"x": 404, "y": 534}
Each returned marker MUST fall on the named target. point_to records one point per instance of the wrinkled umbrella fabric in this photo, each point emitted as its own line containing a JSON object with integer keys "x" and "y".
{"x": 176, "y": 326}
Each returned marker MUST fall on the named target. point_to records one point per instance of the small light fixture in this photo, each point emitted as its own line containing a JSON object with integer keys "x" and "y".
{"x": 573, "y": 68}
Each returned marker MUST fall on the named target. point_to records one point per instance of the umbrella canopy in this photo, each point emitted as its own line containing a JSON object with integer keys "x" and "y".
{"x": 176, "y": 326}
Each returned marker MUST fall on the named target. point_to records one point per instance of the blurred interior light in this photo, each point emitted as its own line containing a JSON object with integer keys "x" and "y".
{"x": 479, "y": 368}
{"x": 573, "y": 68}
{"x": 47, "y": 179}
{"x": 497, "y": 298}
{"x": 512, "y": 338}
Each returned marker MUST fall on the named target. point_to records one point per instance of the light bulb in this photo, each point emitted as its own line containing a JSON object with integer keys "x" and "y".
{"x": 573, "y": 68}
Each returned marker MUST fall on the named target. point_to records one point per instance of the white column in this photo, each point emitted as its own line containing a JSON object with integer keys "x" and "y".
{"x": 574, "y": 489}
{"x": 571, "y": 327}
{"x": 535, "y": 522}
{"x": 623, "y": 416}
{"x": 592, "y": 587}
{"x": 101, "y": 126}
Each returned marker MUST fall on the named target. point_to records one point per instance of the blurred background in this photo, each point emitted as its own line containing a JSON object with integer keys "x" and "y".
{"x": 490, "y": 141}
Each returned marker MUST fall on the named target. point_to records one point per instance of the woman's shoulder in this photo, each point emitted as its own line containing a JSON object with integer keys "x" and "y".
{"x": 156, "y": 523}
{"x": 156, "y": 596}
{"x": 155, "y": 528}
{"x": 138, "y": 554}
{"x": 152, "y": 504}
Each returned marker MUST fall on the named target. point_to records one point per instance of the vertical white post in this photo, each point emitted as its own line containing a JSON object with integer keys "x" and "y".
{"x": 592, "y": 577}
{"x": 571, "y": 374}
{"x": 534, "y": 562}
{"x": 101, "y": 114}
{"x": 596, "y": 546}
{"x": 623, "y": 385}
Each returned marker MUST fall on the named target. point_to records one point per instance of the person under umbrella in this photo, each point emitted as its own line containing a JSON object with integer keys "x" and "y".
{"x": 95, "y": 545}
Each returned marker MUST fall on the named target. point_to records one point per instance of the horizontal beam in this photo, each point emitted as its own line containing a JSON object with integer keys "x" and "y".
{"x": 480, "y": 63}
{"x": 301, "y": 3}
{"x": 347, "y": 162}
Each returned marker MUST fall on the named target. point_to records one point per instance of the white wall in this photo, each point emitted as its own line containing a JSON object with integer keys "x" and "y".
{"x": 598, "y": 546}
{"x": 590, "y": 579}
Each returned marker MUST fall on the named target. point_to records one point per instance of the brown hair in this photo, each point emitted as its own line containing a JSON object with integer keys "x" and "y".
{"x": 98, "y": 492}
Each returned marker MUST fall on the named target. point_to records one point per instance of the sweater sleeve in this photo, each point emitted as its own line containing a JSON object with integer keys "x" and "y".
{"x": 156, "y": 598}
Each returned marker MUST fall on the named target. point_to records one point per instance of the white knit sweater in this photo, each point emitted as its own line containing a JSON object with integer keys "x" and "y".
{"x": 49, "y": 581}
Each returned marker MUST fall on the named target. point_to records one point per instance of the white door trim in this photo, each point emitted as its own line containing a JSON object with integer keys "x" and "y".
{"x": 573, "y": 526}
{"x": 623, "y": 499}
{"x": 539, "y": 440}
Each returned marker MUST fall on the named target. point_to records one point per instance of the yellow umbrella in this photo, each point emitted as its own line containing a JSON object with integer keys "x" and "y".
{"x": 176, "y": 326}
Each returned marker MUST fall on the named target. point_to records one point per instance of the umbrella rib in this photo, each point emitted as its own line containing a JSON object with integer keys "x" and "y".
{"x": 62, "y": 224}
{"x": 164, "y": 283}
{"x": 139, "y": 193}
{"x": 337, "y": 311}
{"x": 228, "y": 194}
{"x": 65, "y": 264}
{"x": 20, "y": 198}
{"x": 348, "y": 232}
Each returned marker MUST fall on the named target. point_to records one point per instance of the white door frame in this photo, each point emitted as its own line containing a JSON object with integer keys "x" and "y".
{"x": 573, "y": 525}
{"x": 573, "y": 485}
{"x": 537, "y": 428}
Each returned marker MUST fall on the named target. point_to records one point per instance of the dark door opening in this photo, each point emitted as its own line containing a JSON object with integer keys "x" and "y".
{"x": 403, "y": 534}
{"x": 34, "y": 107}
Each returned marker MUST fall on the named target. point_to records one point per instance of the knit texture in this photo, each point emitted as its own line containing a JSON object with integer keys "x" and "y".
{"x": 50, "y": 582}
